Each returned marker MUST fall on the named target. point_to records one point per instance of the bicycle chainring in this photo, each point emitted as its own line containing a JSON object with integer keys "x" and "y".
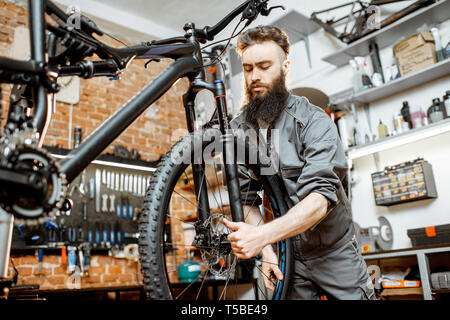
{"x": 19, "y": 152}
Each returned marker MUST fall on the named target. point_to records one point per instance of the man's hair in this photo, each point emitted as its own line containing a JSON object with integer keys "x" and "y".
{"x": 260, "y": 34}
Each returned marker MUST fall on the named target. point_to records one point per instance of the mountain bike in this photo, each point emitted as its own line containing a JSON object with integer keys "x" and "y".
{"x": 199, "y": 175}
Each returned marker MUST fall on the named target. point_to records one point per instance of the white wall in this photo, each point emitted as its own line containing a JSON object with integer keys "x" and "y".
{"x": 331, "y": 80}
{"x": 435, "y": 150}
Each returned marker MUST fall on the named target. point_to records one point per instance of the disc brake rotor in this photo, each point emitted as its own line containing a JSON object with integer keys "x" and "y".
{"x": 217, "y": 256}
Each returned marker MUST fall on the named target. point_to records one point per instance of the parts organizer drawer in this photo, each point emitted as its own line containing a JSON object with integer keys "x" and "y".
{"x": 405, "y": 182}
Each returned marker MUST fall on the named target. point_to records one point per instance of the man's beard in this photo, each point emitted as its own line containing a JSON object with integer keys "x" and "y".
{"x": 267, "y": 106}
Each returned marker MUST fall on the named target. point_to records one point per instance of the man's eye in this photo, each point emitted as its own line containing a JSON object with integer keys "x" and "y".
{"x": 265, "y": 67}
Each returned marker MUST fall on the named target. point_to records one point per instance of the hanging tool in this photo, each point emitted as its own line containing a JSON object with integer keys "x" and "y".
{"x": 97, "y": 234}
{"x": 139, "y": 185}
{"x": 130, "y": 183}
{"x": 130, "y": 211}
{"x": 118, "y": 207}
{"x": 71, "y": 235}
{"x": 86, "y": 248}
{"x": 82, "y": 185}
{"x": 135, "y": 183}
{"x": 111, "y": 235}
{"x": 40, "y": 260}
{"x": 63, "y": 255}
{"x": 112, "y": 206}
{"x": 104, "y": 177}
{"x": 84, "y": 211}
{"x": 104, "y": 202}
{"x": 80, "y": 234}
{"x": 125, "y": 182}
{"x": 81, "y": 259}
{"x": 91, "y": 188}
{"x": 105, "y": 236}
{"x": 117, "y": 183}
{"x": 108, "y": 179}
{"x": 90, "y": 240}
{"x": 118, "y": 232}
{"x": 124, "y": 210}
{"x": 97, "y": 190}
{"x": 72, "y": 259}
{"x": 52, "y": 230}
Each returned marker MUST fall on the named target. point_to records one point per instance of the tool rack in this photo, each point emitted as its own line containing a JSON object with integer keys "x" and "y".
{"x": 107, "y": 199}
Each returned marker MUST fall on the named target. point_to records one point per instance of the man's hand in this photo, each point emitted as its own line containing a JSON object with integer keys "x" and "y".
{"x": 269, "y": 268}
{"x": 247, "y": 240}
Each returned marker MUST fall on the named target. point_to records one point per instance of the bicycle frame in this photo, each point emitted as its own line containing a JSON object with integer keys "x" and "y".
{"x": 188, "y": 63}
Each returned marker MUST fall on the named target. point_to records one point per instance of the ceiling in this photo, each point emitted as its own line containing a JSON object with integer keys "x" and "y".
{"x": 175, "y": 13}
{"x": 156, "y": 19}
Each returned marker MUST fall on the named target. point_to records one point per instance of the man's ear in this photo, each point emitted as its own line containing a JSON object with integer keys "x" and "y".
{"x": 286, "y": 66}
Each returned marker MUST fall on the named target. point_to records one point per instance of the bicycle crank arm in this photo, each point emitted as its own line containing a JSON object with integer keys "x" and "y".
{"x": 26, "y": 181}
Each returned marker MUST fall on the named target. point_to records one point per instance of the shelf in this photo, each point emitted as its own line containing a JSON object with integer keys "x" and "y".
{"x": 404, "y": 27}
{"x": 116, "y": 164}
{"x": 398, "y": 140}
{"x": 409, "y": 81}
{"x": 440, "y": 290}
{"x": 402, "y": 292}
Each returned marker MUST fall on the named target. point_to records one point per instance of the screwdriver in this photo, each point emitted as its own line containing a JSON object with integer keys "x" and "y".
{"x": 40, "y": 260}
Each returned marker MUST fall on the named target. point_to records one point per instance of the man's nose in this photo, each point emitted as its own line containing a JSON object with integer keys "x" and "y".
{"x": 256, "y": 76}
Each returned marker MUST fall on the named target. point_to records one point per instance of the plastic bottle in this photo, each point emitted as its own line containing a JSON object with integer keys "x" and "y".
{"x": 446, "y": 99}
{"x": 357, "y": 82}
{"x": 436, "y": 114}
{"x": 382, "y": 130}
{"x": 437, "y": 44}
{"x": 406, "y": 114}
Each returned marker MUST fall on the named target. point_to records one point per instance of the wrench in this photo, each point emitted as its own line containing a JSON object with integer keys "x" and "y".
{"x": 112, "y": 207}
{"x": 105, "y": 202}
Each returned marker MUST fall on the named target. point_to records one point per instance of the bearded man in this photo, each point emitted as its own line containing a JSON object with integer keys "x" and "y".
{"x": 312, "y": 166}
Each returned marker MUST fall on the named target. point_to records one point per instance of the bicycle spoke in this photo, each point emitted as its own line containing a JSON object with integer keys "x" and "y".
{"x": 189, "y": 245}
{"x": 190, "y": 284}
{"x": 201, "y": 286}
{"x": 217, "y": 180}
{"x": 224, "y": 290}
{"x": 264, "y": 294}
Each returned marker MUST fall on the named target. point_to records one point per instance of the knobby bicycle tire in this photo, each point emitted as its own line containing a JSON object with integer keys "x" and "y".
{"x": 159, "y": 281}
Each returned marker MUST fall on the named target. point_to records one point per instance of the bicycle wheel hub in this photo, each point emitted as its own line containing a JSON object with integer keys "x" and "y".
{"x": 214, "y": 246}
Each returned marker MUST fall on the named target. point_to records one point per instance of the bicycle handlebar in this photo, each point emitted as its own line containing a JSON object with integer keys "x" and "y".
{"x": 250, "y": 9}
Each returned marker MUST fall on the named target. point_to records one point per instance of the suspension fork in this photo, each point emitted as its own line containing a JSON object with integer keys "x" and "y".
{"x": 198, "y": 169}
{"x": 228, "y": 144}
{"x": 229, "y": 156}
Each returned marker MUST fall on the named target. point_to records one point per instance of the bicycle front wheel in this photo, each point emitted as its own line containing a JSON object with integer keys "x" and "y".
{"x": 184, "y": 257}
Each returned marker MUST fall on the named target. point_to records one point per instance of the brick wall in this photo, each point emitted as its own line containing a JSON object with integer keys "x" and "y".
{"x": 104, "y": 271}
{"x": 150, "y": 134}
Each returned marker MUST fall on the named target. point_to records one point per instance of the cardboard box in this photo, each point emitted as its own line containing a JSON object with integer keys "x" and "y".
{"x": 417, "y": 59}
{"x": 412, "y": 43}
